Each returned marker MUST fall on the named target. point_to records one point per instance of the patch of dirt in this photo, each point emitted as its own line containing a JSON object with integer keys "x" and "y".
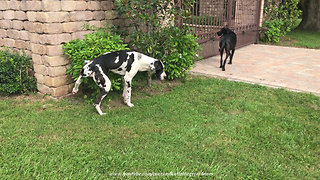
{"x": 30, "y": 98}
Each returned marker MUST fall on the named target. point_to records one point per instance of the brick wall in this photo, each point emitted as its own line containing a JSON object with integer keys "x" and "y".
{"x": 40, "y": 27}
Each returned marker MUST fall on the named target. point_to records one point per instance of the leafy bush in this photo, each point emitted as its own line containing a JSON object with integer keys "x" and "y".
{"x": 15, "y": 73}
{"x": 281, "y": 16}
{"x": 274, "y": 32}
{"x": 154, "y": 32}
{"x": 177, "y": 48}
{"x": 100, "y": 41}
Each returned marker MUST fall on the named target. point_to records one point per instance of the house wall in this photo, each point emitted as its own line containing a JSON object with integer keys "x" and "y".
{"x": 41, "y": 27}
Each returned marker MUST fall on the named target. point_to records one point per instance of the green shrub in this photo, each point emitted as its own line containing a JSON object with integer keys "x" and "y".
{"x": 154, "y": 32}
{"x": 281, "y": 17}
{"x": 15, "y": 73}
{"x": 100, "y": 41}
{"x": 274, "y": 32}
{"x": 178, "y": 49}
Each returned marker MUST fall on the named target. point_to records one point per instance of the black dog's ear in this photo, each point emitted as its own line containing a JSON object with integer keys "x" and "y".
{"x": 158, "y": 65}
{"x": 92, "y": 67}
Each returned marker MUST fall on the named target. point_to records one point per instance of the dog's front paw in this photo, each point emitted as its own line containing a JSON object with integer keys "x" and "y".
{"x": 74, "y": 91}
{"x": 130, "y": 104}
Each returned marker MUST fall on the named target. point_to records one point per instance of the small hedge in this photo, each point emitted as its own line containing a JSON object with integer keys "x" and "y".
{"x": 15, "y": 73}
{"x": 100, "y": 41}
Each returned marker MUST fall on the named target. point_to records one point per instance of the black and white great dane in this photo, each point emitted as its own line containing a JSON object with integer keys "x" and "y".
{"x": 125, "y": 63}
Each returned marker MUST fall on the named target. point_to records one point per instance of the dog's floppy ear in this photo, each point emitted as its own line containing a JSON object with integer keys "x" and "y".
{"x": 158, "y": 65}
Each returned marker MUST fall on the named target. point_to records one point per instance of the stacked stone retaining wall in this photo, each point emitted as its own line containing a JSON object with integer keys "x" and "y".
{"x": 41, "y": 27}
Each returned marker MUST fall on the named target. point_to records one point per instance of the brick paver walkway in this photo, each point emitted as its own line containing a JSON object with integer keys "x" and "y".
{"x": 296, "y": 69}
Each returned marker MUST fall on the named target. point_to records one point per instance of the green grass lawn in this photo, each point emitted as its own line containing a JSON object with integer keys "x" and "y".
{"x": 230, "y": 129}
{"x": 301, "y": 38}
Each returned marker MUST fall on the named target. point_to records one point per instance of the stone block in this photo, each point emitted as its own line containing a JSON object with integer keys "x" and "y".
{"x": 3, "y": 33}
{"x": 8, "y": 42}
{"x": 38, "y": 48}
{"x": 51, "y": 5}
{"x": 56, "y": 17}
{"x": 4, "y": 5}
{"x": 33, "y": 27}
{"x": 24, "y": 35}
{"x": 40, "y": 69}
{"x": 61, "y": 91}
{"x": 96, "y": 23}
{"x": 73, "y": 26}
{"x": 57, "y": 81}
{"x": 40, "y": 78}
{"x": 35, "y": 38}
{"x": 9, "y": 14}
{"x": 14, "y": 5}
{"x": 55, "y": 60}
{"x": 20, "y": 15}
{"x": 57, "y": 71}
{"x": 5, "y": 24}
{"x": 81, "y": 15}
{"x": 111, "y": 14}
{"x": 44, "y": 89}
{"x": 73, "y": 5}
{"x": 31, "y": 5}
{"x": 12, "y": 33}
{"x": 54, "y": 50}
{"x": 22, "y": 44}
{"x": 55, "y": 39}
{"x": 34, "y": 16}
{"x": 37, "y": 59}
{"x": 79, "y": 35}
{"x": 107, "y": 5}
{"x": 16, "y": 24}
{"x": 28, "y": 53}
{"x": 94, "y": 5}
{"x": 98, "y": 15}
{"x": 52, "y": 28}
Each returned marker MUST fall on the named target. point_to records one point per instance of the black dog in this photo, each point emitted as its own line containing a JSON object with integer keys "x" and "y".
{"x": 228, "y": 41}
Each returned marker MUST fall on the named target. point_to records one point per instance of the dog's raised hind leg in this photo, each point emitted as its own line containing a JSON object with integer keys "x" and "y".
{"x": 76, "y": 85}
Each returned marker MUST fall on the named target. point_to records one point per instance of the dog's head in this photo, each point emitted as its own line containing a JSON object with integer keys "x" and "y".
{"x": 223, "y": 31}
{"x": 87, "y": 70}
{"x": 158, "y": 68}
